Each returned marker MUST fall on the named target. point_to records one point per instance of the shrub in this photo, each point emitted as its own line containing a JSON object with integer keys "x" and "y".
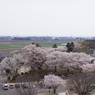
{"x": 26, "y": 72}
{"x": 38, "y": 45}
{"x": 65, "y": 74}
{"x": 22, "y": 73}
{"x": 33, "y": 43}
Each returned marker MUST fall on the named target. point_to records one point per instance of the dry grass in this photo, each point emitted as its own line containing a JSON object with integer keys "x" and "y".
{"x": 7, "y": 47}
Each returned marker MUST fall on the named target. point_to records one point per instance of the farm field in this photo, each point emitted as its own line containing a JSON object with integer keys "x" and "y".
{"x": 7, "y": 47}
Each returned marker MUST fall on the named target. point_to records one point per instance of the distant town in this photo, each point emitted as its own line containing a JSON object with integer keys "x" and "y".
{"x": 44, "y": 38}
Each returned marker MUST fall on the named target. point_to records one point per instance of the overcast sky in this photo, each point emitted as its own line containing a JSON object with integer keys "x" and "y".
{"x": 47, "y": 17}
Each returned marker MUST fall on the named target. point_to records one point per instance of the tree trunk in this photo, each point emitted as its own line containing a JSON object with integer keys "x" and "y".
{"x": 54, "y": 90}
{"x": 55, "y": 69}
{"x": 68, "y": 70}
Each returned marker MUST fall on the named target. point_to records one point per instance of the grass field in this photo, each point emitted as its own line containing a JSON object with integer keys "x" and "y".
{"x": 7, "y": 47}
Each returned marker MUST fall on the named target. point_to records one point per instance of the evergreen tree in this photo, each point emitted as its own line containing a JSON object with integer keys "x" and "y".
{"x": 38, "y": 45}
{"x": 54, "y": 46}
{"x": 33, "y": 43}
{"x": 70, "y": 47}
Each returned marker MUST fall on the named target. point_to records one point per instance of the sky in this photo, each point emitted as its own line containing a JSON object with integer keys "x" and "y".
{"x": 47, "y": 18}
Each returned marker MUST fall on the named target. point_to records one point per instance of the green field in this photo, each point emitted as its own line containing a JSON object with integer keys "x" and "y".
{"x": 10, "y": 45}
{"x": 7, "y": 47}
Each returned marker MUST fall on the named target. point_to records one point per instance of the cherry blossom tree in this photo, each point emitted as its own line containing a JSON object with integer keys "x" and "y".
{"x": 40, "y": 57}
{"x": 12, "y": 63}
{"x": 15, "y": 52}
{"x": 54, "y": 60}
{"x": 53, "y": 81}
{"x": 29, "y": 56}
{"x": 33, "y": 56}
{"x": 59, "y": 59}
{"x": 88, "y": 68}
{"x": 59, "y": 48}
{"x": 77, "y": 47}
